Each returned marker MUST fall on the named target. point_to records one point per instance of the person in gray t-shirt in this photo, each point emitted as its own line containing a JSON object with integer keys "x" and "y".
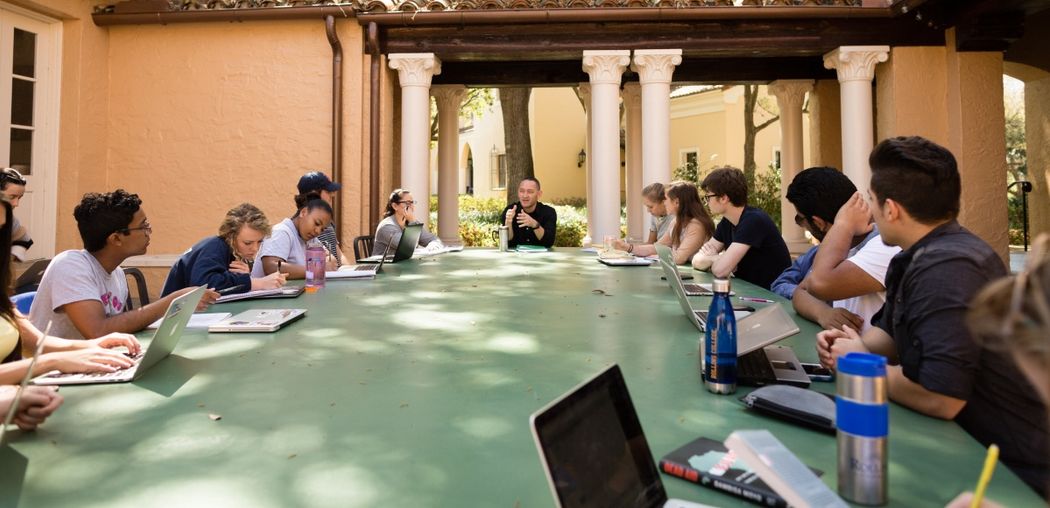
{"x": 400, "y": 211}
{"x": 661, "y": 222}
{"x": 285, "y": 249}
{"x": 313, "y": 185}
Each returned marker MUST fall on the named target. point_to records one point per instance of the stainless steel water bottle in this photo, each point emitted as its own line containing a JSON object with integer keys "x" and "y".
{"x": 862, "y": 418}
{"x": 504, "y": 238}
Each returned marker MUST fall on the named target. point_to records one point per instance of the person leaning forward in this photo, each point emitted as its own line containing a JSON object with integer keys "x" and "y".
{"x": 529, "y": 221}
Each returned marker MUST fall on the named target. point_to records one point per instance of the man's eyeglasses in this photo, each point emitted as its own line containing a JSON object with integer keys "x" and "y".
{"x": 709, "y": 196}
{"x": 144, "y": 227}
{"x": 409, "y": 202}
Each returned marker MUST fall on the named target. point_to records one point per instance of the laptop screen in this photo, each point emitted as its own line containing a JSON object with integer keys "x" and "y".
{"x": 594, "y": 448}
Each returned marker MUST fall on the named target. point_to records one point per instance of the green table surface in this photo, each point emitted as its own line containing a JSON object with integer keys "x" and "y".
{"x": 415, "y": 389}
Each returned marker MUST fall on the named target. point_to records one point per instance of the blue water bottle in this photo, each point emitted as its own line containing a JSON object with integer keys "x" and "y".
{"x": 720, "y": 342}
{"x": 863, "y": 421}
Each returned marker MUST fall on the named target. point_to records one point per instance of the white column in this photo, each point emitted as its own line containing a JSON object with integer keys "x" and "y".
{"x": 637, "y": 225}
{"x": 855, "y": 66}
{"x": 605, "y": 69}
{"x": 449, "y": 98}
{"x": 585, "y": 94}
{"x": 654, "y": 68}
{"x": 790, "y": 94}
{"x": 414, "y": 71}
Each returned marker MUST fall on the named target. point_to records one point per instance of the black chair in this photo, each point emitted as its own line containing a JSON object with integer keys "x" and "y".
{"x": 363, "y": 246}
{"x": 140, "y": 282}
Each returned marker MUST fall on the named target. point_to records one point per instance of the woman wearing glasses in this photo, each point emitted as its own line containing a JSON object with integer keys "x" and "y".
{"x": 400, "y": 212}
{"x": 224, "y": 262}
{"x": 12, "y": 188}
{"x": 692, "y": 225}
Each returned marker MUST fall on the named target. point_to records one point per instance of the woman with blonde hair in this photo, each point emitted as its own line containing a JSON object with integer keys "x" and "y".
{"x": 225, "y": 261}
{"x": 692, "y": 225}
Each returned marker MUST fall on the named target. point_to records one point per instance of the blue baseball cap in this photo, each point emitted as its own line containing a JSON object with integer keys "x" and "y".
{"x": 315, "y": 181}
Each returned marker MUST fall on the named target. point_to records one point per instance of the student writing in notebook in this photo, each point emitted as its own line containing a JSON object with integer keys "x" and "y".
{"x": 937, "y": 368}
{"x": 313, "y": 185}
{"x": 224, "y": 262}
{"x": 17, "y": 333}
{"x": 529, "y": 221}
{"x": 692, "y": 225}
{"x": 400, "y": 211}
{"x": 285, "y": 249}
{"x": 84, "y": 292}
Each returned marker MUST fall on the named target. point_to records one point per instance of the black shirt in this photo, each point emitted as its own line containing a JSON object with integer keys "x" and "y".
{"x": 928, "y": 291}
{"x": 768, "y": 256}
{"x": 545, "y": 215}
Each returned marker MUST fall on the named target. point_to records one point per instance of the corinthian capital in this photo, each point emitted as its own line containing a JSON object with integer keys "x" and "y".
{"x": 632, "y": 95}
{"x": 856, "y": 63}
{"x": 449, "y": 96}
{"x": 656, "y": 65}
{"x": 415, "y": 69}
{"x": 606, "y": 67}
{"x": 790, "y": 92}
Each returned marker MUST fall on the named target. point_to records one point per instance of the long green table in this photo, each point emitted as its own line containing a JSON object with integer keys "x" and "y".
{"x": 415, "y": 389}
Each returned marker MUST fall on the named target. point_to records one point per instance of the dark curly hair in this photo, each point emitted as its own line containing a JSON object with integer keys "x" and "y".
{"x": 820, "y": 192}
{"x": 100, "y": 215}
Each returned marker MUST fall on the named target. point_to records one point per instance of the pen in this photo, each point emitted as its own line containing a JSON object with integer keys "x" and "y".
{"x": 986, "y": 475}
{"x": 759, "y": 300}
{"x": 230, "y": 289}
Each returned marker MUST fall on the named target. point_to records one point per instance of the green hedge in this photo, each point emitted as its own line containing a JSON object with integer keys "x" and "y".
{"x": 479, "y": 217}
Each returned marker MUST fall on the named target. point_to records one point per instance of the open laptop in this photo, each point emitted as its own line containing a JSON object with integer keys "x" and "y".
{"x": 405, "y": 248}
{"x": 163, "y": 343}
{"x": 258, "y": 320}
{"x": 593, "y": 450}
{"x": 360, "y": 270}
{"x": 663, "y": 252}
{"x": 758, "y": 362}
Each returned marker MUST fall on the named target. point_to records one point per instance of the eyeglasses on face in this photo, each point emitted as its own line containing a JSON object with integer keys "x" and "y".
{"x": 409, "y": 202}
{"x": 709, "y": 196}
{"x": 144, "y": 227}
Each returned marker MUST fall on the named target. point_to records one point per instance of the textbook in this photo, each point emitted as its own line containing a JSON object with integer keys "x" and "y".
{"x": 709, "y": 463}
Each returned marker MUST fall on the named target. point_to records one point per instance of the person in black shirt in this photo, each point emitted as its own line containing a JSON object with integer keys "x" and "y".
{"x": 748, "y": 240}
{"x": 938, "y": 369}
{"x": 530, "y": 222}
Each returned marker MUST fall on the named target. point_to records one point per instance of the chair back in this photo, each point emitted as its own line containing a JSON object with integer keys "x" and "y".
{"x": 140, "y": 283}
{"x": 363, "y": 246}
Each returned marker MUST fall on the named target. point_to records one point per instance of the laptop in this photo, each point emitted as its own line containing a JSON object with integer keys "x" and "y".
{"x": 625, "y": 261}
{"x": 258, "y": 320}
{"x": 663, "y": 252}
{"x": 281, "y": 292}
{"x": 359, "y": 270}
{"x": 405, "y": 248}
{"x": 163, "y": 343}
{"x": 594, "y": 451}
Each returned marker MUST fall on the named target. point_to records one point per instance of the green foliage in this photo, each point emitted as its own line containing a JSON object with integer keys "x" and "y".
{"x": 764, "y": 193}
{"x": 573, "y": 201}
{"x": 689, "y": 172}
{"x": 1016, "y": 169}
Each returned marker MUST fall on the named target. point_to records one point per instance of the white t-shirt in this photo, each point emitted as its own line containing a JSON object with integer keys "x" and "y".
{"x": 74, "y": 276}
{"x": 874, "y": 258}
{"x": 284, "y": 242}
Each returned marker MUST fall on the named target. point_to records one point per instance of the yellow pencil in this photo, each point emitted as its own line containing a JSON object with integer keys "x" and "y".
{"x": 986, "y": 475}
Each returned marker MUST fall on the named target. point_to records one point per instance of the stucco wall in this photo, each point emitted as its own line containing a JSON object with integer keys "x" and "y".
{"x": 558, "y": 130}
{"x": 825, "y": 128}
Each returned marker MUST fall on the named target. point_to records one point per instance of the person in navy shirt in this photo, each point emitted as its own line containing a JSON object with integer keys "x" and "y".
{"x": 224, "y": 262}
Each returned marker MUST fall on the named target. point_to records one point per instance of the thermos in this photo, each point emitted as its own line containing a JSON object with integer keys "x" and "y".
{"x": 719, "y": 351}
{"x": 504, "y": 238}
{"x": 315, "y": 265}
{"x": 862, "y": 418}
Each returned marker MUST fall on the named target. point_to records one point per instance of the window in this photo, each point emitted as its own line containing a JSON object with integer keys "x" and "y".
{"x": 689, "y": 156}
{"x": 776, "y": 157}
{"x": 498, "y": 167}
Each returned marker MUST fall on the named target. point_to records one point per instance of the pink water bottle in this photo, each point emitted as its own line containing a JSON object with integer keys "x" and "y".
{"x": 315, "y": 266}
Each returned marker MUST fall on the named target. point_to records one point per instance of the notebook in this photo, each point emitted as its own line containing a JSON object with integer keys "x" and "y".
{"x": 163, "y": 343}
{"x": 282, "y": 292}
{"x": 359, "y": 271}
{"x": 590, "y": 436}
{"x": 406, "y": 247}
{"x": 258, "y": 320}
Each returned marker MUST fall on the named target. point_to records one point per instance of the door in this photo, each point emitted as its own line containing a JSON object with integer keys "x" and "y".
{"x": 29, "y": 94}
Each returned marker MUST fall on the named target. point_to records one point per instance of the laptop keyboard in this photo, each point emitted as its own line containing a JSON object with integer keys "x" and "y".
{"x": 696, "y": 290}
{"x": 365, "y": 268}
{"x": 754, "y": 368}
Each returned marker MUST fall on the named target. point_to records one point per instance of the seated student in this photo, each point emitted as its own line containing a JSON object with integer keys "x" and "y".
{"x": 316, "y": 184}
{"x": 16, "y": 333}
{"x": 400, "y": 211}
{"x": 284, "y": 250}
{"x": 937, "y": 368}
{"x": 692, "y": 225}
{"x": 35, "y": 405}
{"x": 83, "y": 292}
{"x": 13, "y": 187}
{"x": 224, "y": 262}
{"x": 530, "y": 222}
{"x": 653, "y": 196}
{"x": 746, "y": 241}
{"x": 853, "y": 258}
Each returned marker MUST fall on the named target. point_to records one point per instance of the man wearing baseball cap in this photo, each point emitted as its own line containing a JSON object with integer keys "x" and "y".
{"x": 313, "y": 185}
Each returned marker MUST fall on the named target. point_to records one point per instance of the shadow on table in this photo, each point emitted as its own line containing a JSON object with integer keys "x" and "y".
{"x": 14, "y": 465}
{"x": 167, "y": 376}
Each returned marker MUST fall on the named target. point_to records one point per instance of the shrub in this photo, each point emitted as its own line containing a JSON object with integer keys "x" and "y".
{"x": 479, "y": 217}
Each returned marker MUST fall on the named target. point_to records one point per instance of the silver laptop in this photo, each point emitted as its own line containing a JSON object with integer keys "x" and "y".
{"x": 691, "y": 289}
{"x": 593, "y": 450}
{"x": 371, "y": 267}
{"x": 163, "y": 343}
{"x": 258, "y": 320}
{"x": 406, "y": 247}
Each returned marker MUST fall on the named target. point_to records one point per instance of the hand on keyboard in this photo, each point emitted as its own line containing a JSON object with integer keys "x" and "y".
{"x": 117, "y": 340}
{"x": 91, "y": 360}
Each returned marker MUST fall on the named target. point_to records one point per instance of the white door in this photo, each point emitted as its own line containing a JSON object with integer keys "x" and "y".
{"x": 29, "y": 94}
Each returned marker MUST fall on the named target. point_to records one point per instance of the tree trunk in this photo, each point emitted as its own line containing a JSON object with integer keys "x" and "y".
{"x": 750, "y": 99}
{"x": 514, "y": 102}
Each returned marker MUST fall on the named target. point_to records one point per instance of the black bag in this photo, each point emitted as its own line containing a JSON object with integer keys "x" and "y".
{"x": 796, "y": 405}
